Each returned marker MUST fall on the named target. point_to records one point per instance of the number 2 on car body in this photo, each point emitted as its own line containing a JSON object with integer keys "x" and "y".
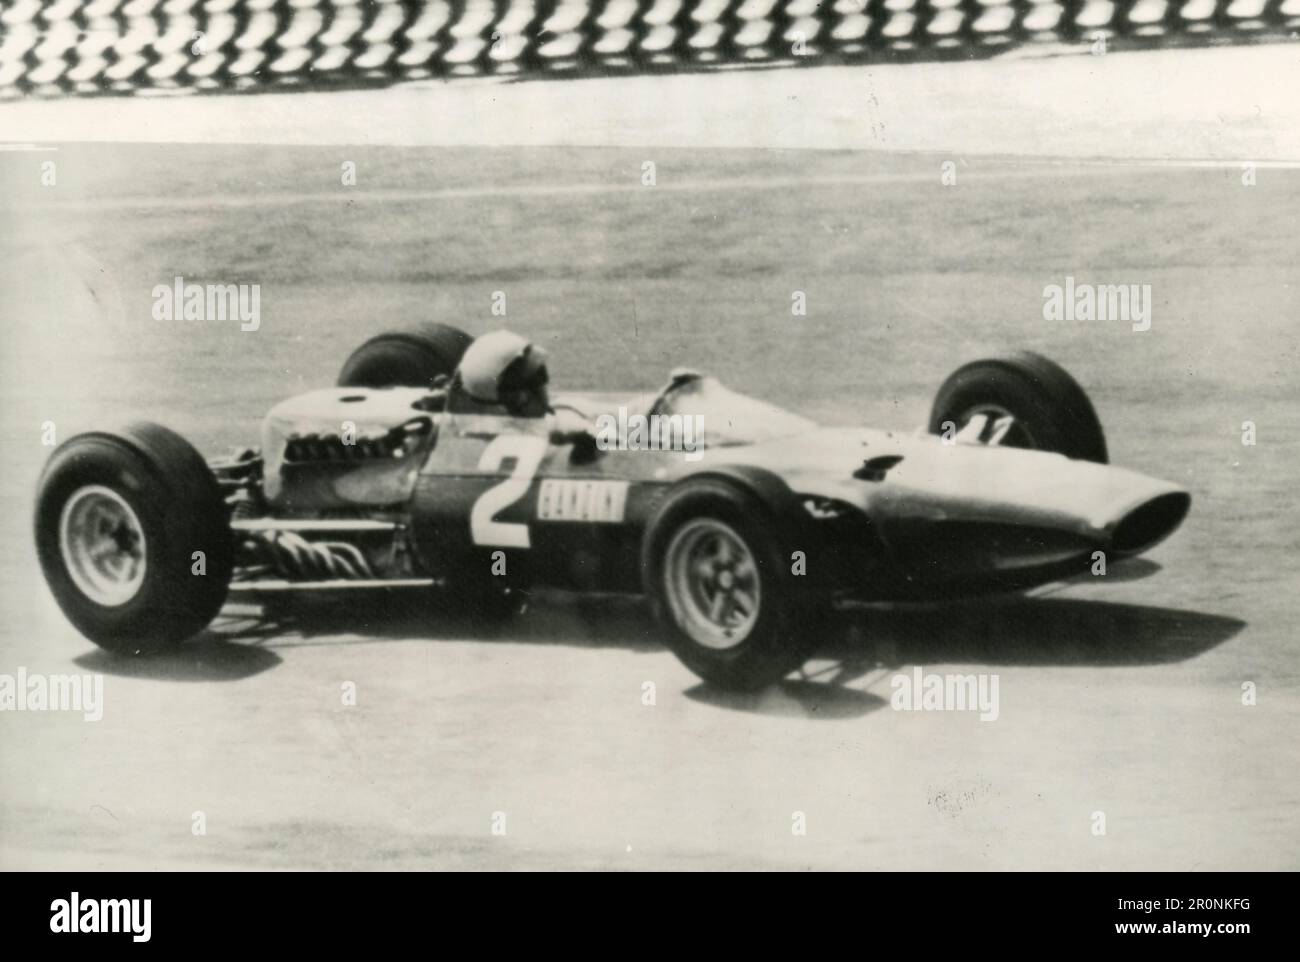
{"x": 527, "y": 451}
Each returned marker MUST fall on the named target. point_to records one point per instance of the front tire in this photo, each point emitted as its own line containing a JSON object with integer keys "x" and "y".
{"x": 1050, "y": 411}
{"x": 120, "y": 519}
{"x": 720, "y": 584}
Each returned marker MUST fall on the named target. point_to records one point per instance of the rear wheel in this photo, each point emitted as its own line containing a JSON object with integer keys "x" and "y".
{"x": 721, "y": 587}
{"x": 409, "y": 358}
{"x": 133, "y": 537}
{"x": 1027, "y": 401}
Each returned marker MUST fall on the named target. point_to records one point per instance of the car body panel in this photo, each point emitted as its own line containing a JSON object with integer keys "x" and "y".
{"x": 876, "y": 513}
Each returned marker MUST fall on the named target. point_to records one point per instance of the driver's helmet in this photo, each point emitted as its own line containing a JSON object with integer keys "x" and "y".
{"x": 502, "y": 367}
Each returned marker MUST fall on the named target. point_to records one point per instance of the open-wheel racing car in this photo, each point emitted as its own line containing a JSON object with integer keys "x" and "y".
{"x": 396, "y": 478}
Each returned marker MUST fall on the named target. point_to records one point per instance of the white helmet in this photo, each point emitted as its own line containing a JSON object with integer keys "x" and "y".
{"x": 491, "y": 356}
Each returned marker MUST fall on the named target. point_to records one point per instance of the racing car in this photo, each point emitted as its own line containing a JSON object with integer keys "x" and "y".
{"x": 396, "y": 478}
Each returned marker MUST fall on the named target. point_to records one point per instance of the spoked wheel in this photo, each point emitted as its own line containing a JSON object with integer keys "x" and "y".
{"x": 103, "y": 545}
{"x": 134, "y": 537}
{"x": 998, "y": 426}
{"x": 721, "y": 585}
{"x": 715, "y": 592}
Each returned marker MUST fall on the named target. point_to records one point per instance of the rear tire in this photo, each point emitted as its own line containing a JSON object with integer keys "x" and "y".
{"x": 409, "y": 358}
{"x": 1051, "y": 411}
{"x": 119, "y": 518}
{"x": 708, "y": 540}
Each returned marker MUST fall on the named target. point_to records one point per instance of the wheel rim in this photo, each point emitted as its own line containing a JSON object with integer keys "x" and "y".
{"x": 712, "y": 582}
{"x": 1017, "y": 436}
{"x": 103, "y": 545}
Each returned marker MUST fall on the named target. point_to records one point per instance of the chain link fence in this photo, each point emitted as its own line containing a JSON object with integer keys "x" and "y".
{"x": 130, "y": 46}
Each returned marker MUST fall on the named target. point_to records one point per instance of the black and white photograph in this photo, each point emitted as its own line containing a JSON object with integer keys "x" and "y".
{"x": 651, "y": 436}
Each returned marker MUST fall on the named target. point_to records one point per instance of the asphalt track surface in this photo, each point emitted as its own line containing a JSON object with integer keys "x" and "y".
{"x": 1120, "y": 695}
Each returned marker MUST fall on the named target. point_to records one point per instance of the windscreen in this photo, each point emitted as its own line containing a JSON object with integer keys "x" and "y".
{"x": 727, "y": 417}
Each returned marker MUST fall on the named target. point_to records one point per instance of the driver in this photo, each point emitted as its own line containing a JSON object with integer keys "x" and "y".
{"x": 502, "y": 367}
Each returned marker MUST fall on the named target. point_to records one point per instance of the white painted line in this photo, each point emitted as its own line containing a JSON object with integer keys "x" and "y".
{"x": 354, "y": 195}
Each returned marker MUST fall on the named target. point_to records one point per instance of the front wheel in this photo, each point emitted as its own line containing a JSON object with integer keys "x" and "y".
{"x": 1026, "y": 401}
{"x": 722, "y": 588}
{"x": 133, "y": 537}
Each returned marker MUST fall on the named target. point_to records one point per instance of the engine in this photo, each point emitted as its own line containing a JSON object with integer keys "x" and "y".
{"x": 342, "y": 448}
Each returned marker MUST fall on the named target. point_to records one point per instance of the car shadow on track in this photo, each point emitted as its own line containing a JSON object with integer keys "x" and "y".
{"x": 618, "y": 621}
{"x": 241, "y": 642}
{"x": 863, "y": 649}
{"x": 995, "y": 632}
{"x": 1032, "y": 632}
{"x": 209, "y": 657}
{"x": 803, "y": 697}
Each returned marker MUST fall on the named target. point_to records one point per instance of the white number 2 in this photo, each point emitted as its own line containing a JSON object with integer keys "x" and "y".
{"x": 528, "y": 451}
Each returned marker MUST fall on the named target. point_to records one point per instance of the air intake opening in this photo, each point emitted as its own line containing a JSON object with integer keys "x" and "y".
{"x": 1150, "y": 523}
